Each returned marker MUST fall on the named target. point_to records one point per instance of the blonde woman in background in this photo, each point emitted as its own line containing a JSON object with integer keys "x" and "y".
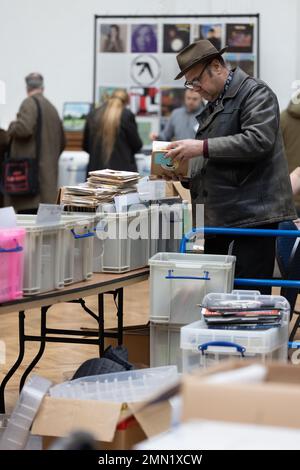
{"x": 111, "y": 136}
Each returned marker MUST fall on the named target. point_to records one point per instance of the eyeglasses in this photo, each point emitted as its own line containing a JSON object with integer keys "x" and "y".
{"x": 191, "y": 84}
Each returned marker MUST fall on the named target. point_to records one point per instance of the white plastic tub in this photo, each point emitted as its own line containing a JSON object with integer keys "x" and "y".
{"x": 165, "y": 345}
{"x": 167, "y": 221}
{"x": 78, "y": 247}
{"x": 179, "y": 282}
{"x": 72, "y": 168}
{"x": 44, "y": 260}
{"x": 202, "y": 346}
{"x": 12, "y": 243}
{"x": 122, "y": 387}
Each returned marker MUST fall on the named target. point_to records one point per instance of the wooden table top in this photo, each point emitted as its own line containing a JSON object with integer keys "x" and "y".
{"x": 99, "y": 283}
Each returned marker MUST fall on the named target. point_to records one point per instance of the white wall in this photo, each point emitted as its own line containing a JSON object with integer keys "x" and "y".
{"x": 55, "y": 37}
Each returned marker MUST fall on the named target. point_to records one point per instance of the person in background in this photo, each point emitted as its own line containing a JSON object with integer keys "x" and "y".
{"x": 22, "y": 137}
{"x": 113, "y": 42}
{"x": 111, "y": 136}
{"x": 182, "y": 123}
{"x": 290, "y": 127}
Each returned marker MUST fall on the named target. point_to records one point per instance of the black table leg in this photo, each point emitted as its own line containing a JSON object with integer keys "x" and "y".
{"x": 120, "y": 316}
{"x": 101, "y": 323}
{"x": 41, "y": 350}
{"x": 16, "y": 365}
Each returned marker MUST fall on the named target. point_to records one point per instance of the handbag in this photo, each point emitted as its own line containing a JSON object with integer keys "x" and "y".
{"x": 20, "y": 176}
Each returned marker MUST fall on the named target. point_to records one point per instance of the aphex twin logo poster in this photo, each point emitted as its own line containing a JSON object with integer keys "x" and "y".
{"x": 145, "y": 70}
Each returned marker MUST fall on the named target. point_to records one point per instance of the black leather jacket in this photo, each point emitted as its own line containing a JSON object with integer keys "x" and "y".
{"x": 245, "y": 180}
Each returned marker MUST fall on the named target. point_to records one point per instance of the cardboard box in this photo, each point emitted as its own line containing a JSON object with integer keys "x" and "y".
{"x": 137, "y": 341}
{"x": 126, "y": 436}
{"x": 175, "y": 189}
{"x": 159, "y": 168}
{"x": 104, "y": 420}
{"x": 274, "y": 402}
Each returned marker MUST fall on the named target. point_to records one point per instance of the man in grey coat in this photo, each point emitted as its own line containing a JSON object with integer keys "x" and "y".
{"x": 244, "y": 181}
{"x": 182, "y": 123}
{"x": 22, "y": 134}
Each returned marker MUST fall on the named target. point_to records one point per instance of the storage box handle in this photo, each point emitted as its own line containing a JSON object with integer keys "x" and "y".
{"x": 226, "y": 344}
{"x": 204, "y": 278}
{"x": 84, "y": 235}
{"x": 17, "y": 249}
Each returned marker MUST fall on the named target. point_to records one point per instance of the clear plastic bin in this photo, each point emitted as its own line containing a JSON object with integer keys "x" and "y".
{"x": 72, "y": 168}
{"x": 202, "y": 347}
{"x": 153, "y": 229}
{"x": 16, "y": 429}
{"x": 44, "y": 261}
{"x": 179, "y": 282}
{"x": 165, "y": 345}
{"x": 167, "y": 219}
{"x": 12, "y": 243}
{"x": 114, "y": 250}
{"x": 121, "y": 387}
{"x": 78, "y": 247}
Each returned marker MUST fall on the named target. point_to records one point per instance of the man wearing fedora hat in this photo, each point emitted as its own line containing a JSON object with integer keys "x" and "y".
{"x": 244, "y": 179}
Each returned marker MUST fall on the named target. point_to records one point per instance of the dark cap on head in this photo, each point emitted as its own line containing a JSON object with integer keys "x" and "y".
{"x": 34, "y": 81}
{"x": 199, "y": 51}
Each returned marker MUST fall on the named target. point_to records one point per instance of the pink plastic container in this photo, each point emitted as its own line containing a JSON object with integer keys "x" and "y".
{"x": 11, "y": 263}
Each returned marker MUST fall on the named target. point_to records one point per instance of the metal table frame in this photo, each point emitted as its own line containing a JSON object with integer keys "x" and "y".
{"x": 99, "y": 285}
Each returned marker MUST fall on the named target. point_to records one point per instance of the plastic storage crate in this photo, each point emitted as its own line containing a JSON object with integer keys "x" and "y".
{"x": 179, "y": 282}
{"x": 44, "y": 260}
{"x": 122, "y": 387}
{"x": 11, "y": 263}
{"x": 202, "y": 346}
{"x": 16, "y": 433}
{"x": 72, "y": 168}
{"x": 165, "y": 345}
{"x": 78, "y": 247}
{"x": 114, "y": 250}
{"x": 166, "y": 228}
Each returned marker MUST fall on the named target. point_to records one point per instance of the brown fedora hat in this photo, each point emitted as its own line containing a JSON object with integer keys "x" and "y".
{"x": 195, "y": 53}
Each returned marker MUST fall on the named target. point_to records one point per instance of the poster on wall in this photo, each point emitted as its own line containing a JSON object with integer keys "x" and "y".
{"x": 144, "y": 38}
{"x": 176, "y": 37}
{"x": 239, "y": 37}
{"x": 138, "y": 54}
{"x": 245, "y": 61}
{"x": 212, "y": 32}
{"x": 144, "y": 101}
{"x": 113, "y": 38}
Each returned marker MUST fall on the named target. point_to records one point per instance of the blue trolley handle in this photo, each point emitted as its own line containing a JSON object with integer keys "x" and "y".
{"x": 17, "y": 249}
{"x": 227, "y": 344}
{"x": 204, "y": 278}
{"x": 85, "y": 235}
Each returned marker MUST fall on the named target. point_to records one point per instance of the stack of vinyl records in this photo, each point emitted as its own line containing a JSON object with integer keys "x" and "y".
{"x": 101, "y": 187}
{"x": 118, "y": 181}
{"x": 242, "y": 315}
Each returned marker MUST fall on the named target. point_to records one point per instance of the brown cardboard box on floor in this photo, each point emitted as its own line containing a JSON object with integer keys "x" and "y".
{"x": 272, "y": 402}
{"x": 57, "y": 417}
